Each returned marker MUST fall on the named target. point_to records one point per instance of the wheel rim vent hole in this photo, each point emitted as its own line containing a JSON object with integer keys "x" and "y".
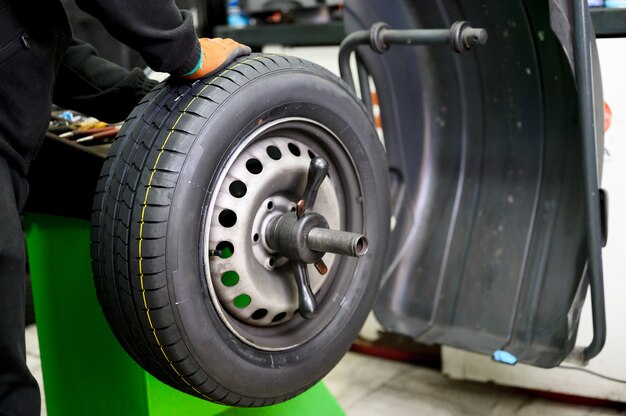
{"x": 271, "y": 262}
{"x": 274, "y": 152}
{"x": 311, "y": 155}
{"x": 255, "y": 238}
{"x": 228, "y": 218}
{"x": 259, "y": 314}
{"x": 270, "y": 206}
{"x": 295, "y": 150}
{"x": 238, "y": 189}
{"x": 254, "y": 166}
{"x": 242, "y": 301}
{"x": 226, "y": 249}
{"x": 230, "y": 278}
{"x": 279, "y": 317}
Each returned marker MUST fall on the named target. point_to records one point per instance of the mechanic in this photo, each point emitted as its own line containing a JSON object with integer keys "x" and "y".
{"x": 36, "y": 52}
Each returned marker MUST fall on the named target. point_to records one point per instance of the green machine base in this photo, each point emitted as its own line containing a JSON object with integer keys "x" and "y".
{"x": 86, "y": 372}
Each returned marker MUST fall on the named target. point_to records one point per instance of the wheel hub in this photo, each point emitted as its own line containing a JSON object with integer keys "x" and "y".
{"x": 252, "y": 280}
{"x": 305, "y": 238}
{"x": 288, "y": 235}
{"x": 258, "y": 287}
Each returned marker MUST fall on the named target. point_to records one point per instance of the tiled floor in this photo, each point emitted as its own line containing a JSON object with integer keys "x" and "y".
{"x": 367, "y": 386}
{"x": 33, "y": 360}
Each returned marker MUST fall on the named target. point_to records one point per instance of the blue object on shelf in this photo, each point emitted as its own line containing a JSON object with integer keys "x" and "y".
{"x": 236, "y": 18}
{"x": 615, "y": 4}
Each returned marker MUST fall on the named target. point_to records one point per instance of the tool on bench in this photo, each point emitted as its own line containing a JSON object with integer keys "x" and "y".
{"x": 98, "y": 137}
{"x": 88, "y": 132}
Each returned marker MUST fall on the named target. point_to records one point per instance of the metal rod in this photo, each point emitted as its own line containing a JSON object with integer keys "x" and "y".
{"x": 364, "y": 84}
{"x": 416, "y": 37}
{"x": 338, "y": 242}
{"x": 348, "y": 45}
{"x": 387, "y": 36}
{"x": 584, "y": 78}
{"x": 461, "y": 37}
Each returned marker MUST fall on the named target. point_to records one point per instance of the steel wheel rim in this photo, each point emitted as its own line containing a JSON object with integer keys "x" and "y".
{"x": 233, "y": 285}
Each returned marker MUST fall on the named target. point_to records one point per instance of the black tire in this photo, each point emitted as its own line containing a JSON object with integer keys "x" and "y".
{"x": 148, "y": 239}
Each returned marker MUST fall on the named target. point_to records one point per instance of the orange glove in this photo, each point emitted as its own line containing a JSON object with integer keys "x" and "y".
{"x": 215, "y": 54}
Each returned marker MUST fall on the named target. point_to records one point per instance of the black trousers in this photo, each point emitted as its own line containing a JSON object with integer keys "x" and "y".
{"x": 19, "y": 394}
{"x": 30, "y": 53}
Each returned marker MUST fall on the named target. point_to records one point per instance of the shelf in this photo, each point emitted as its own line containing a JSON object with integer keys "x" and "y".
{"x": 286, "y": 34}
{"x": 609, "y": 23}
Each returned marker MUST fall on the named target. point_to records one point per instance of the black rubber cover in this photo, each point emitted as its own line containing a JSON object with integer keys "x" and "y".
{"x": 488, "y": 250}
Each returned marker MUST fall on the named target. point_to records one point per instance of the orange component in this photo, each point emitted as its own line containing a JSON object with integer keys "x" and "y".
{"x": 276, "y": 17}
{"x": 608, "y": 116}
{"x": 374, "y": 98}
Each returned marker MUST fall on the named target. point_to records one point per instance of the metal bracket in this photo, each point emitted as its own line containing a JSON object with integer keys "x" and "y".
{"x": 584, "y": 78}
{"x": 461, "y": 37}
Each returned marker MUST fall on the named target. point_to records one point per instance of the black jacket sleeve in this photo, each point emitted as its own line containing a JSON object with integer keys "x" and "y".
{"x": 97, "y": 87}
{"x": 157, "y": 29}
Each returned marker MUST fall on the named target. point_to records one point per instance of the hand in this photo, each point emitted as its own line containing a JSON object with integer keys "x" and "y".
{"x": 216, "y": 53}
